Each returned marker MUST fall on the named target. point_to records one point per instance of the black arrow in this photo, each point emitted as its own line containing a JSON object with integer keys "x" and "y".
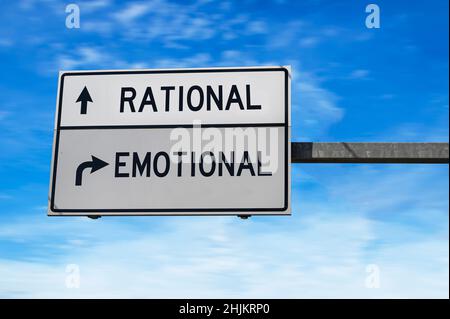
{"x": 84, "y": 98}
{"x": 95, "y": 165}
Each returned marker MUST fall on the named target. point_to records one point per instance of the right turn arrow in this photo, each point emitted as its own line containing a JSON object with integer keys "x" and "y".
{"x": 95, "y": 165}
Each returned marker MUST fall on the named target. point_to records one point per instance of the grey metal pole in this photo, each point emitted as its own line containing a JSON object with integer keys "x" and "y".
{"x": 342, "y": 152}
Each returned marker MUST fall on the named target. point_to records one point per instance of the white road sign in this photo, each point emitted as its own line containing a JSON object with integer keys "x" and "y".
{"x": 172, "y": 142}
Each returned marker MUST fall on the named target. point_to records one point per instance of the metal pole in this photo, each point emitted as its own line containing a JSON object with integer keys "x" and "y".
{"x": 342, "y": 152}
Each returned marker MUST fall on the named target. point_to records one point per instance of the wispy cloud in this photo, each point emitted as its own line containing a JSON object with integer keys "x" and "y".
{"x": 359, "y": 218}
{"x": 4, "y": 196}
{"x": 359, "y": 74}
{"x": 94, "y": 5}
{"x": 133, "y": 11}
{"x": 316, "y": 107}
{"x": 197, "y": 60}
{"x": 85, "y": 56}
{"x": 309, "y": 42}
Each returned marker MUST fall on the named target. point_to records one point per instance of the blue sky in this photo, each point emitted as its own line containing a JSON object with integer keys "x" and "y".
{"x": 349, "y": 83}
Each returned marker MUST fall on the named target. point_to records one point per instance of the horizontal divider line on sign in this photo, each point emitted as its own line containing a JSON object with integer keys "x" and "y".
{"x": 108, "y": 127}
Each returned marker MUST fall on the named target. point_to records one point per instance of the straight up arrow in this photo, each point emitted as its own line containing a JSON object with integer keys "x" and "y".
{"x": 84, "y": 98}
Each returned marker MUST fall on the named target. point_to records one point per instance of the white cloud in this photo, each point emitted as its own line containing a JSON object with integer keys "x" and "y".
{"x": 172, "y": 23}
{"x": 104, "y": 28}
{"x": 84, "y": 56}
{"x": 238, "y": 58}
{"x": 94, "y": 5}
{"x": 197, "y": 60}
{"x": 7, "y": 43}
{"x": 313, "y": 105}
{"x": 133, "y": 11}
{"x": 359, "y": 74}
{"x": 257, "y": 27}
{"x": 309, "y": 42}
{"x": 92, "y": 57}
{"x": 322, "y": 251}
{"x": 288, "y": 36}
{"x": 387, "y": 96}
{"x": 313, "y": 254}
{"x": 4, "y": 196}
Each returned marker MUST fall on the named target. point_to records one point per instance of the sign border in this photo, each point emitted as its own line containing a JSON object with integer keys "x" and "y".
{"x": 53, "y": 211}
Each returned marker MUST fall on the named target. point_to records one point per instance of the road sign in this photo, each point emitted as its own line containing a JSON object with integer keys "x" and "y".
{"x": 172, "y": 142}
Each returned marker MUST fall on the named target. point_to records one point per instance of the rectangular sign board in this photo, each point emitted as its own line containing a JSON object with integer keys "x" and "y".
{"x": 172, "y": 142}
